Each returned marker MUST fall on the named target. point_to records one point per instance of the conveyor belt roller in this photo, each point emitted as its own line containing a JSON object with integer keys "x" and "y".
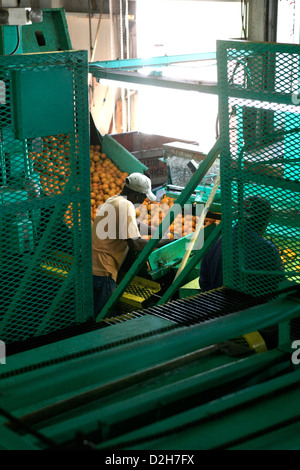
{"x": 199, "y": 308}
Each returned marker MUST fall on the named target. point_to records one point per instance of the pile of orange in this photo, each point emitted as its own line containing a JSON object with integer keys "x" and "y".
{"x": 106, "y": 178}
{"x": 54, "y": 167}
{"x": 287, "y": 255}
{"x": 152, "y": 213}
{"x": 53, "y": 164}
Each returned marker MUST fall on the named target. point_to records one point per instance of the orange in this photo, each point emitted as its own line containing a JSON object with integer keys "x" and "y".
{"x": 165, "y": 200}
{"x": 164, "y": 207}
{"x": 95, "y": 178}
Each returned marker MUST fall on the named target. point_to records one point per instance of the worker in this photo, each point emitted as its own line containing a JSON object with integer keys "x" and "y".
{"x": 259, "y": 254}
{"x": 115, "y": 231}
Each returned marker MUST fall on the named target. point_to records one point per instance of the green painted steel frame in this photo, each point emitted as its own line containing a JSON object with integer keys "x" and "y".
{"x": 191, "y": 264}
{"x": 164, "y": 82}
{"x": 53, "y": 28}
{"x": 119, "y": 70}
{"x": 52, "y": 386}
{"x": 265, "y": 95}
{"x": 160, "y": 61}
{"x": 234, "y": 420}
{"x": 77, "y": 191}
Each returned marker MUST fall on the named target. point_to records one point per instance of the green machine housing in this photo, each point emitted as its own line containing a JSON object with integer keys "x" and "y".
{"x": 45, "y": 181}
{"x": 49, "y": 34}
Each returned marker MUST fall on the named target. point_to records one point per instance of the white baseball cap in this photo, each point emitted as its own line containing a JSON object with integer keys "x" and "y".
{"x": 141, "y": 184}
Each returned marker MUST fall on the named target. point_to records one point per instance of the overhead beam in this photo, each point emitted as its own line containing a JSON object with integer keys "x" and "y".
{"x": 164, "y": 82}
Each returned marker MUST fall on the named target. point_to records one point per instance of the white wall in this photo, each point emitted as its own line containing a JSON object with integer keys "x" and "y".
{"x": 78, "y": 25}
{"x": 102, "y": 102}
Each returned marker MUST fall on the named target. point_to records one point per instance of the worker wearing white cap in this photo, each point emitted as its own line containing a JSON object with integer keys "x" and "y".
{"x": 140, "y": 184}
{"x": 114, "y": 232}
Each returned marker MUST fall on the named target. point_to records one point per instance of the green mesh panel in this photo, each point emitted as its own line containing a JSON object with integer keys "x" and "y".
{"x": 45, "y": 279}
{"x": 260, "y": 155}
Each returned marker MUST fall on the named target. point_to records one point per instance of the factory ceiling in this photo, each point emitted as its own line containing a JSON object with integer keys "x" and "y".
{"x": 91, "y": 6}
{"x": 88, "y": 6}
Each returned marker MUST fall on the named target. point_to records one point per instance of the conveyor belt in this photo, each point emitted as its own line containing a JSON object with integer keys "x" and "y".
{"x": 186, "y": 312}
{"x": 199, "y": 308}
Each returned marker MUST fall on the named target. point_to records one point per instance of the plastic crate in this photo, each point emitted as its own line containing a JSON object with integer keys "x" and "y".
{"x": 149, "y": 150}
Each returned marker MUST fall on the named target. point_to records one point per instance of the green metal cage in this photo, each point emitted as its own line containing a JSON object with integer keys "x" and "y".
{"x": 260, "y": 157}
{"x": 45, "y": 238}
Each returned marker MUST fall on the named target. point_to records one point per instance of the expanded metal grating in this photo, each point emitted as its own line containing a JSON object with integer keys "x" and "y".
{"x": 198, "y": 308}
{"x": 260, "y": 157}
{"x": 45, "y": 279}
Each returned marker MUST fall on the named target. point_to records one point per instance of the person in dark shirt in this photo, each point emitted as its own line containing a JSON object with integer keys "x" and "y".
{"x": 211, "y": 269}
{"x": 259, "y": 257}
{"x": 257, "y": 266}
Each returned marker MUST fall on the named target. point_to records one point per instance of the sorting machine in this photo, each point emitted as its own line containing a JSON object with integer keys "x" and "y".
{"x": 183, "y": 373}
